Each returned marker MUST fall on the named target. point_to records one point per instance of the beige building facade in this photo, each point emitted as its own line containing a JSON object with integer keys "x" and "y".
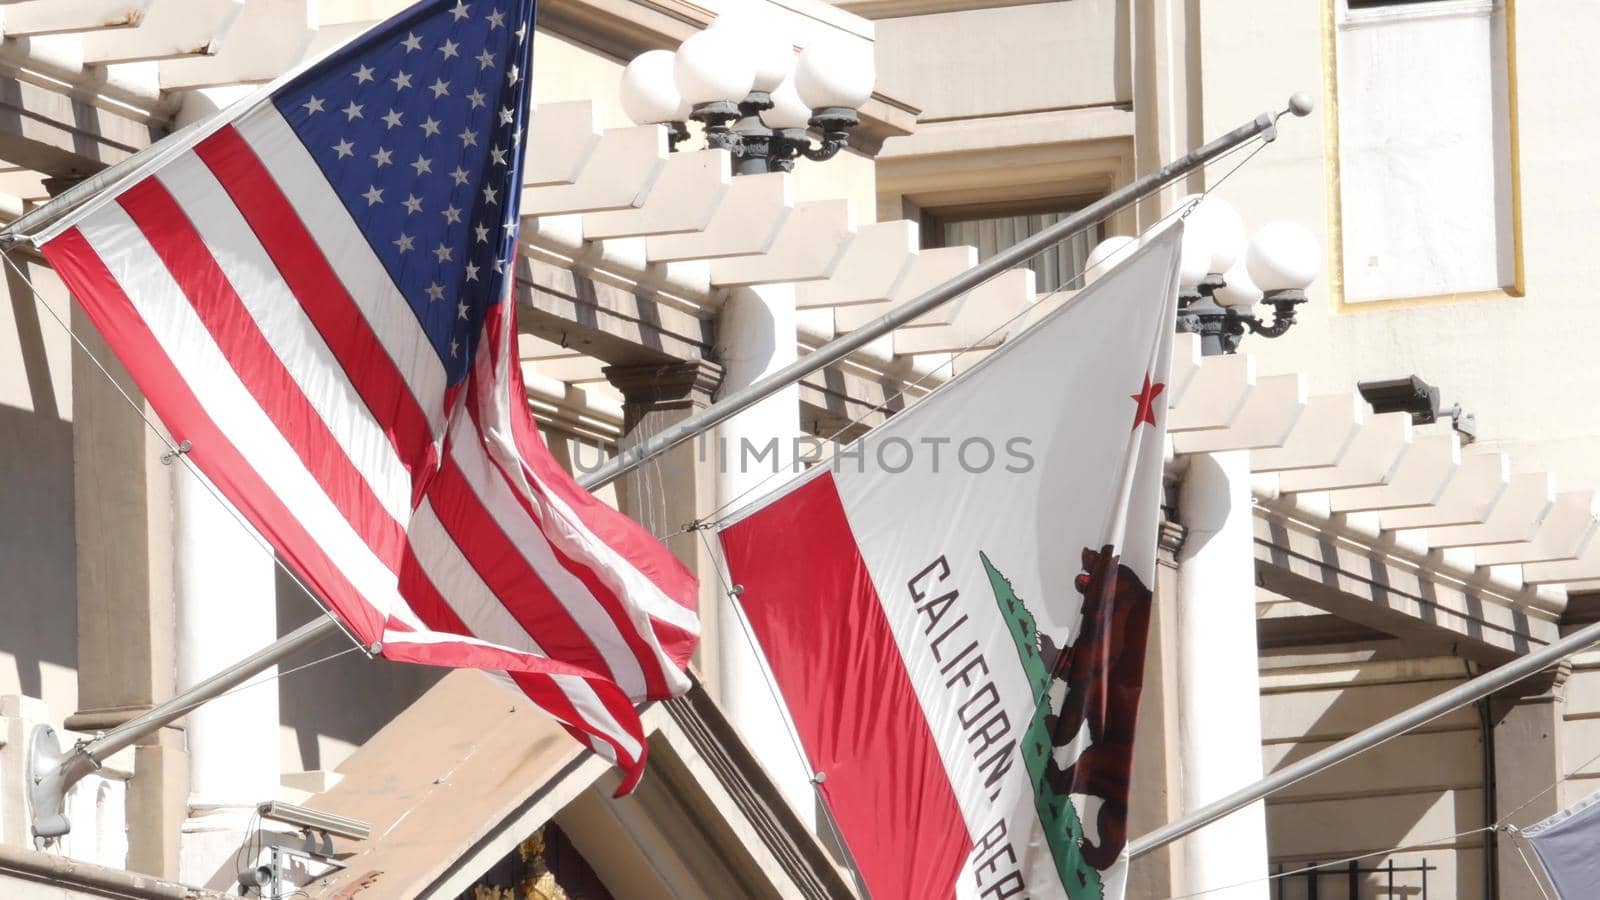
{"x": 1325, "y": 565}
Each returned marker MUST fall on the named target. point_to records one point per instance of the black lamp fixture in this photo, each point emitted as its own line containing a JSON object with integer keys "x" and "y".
{"x": 751, "y": 94}
{"x": 1223, "y": 276}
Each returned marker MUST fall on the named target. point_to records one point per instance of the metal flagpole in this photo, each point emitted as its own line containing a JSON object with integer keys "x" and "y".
{"x": 631, "y": 458}
{"x": 52, "y": 771}
{"x": 1449, "y": 701}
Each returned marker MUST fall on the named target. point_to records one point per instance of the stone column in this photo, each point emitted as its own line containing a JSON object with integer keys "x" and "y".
{"x": 1528, "y": 720}
{"x": 224, "y": 587}
{"x": 122, "y": 513}
{"x": 678, "y": 487}
{"x": 1218, "y": 680}
{"x": 756, "y": 336}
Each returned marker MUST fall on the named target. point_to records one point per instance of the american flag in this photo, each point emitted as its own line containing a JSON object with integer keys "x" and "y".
{"x": 317, "y": 297}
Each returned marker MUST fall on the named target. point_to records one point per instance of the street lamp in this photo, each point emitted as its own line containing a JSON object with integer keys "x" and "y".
{"x": 752, "y": 95}
{"x": 1222, "y": 276}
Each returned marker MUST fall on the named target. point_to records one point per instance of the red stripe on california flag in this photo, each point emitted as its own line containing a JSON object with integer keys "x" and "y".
{"x": 816, "y": 613}
{"x": 87, "y": 277}
{"x": 506, "y": 573}
{"x": 173, "y": 237}
{"x": 650, "y": 662}
{"x": 328, "y": 305}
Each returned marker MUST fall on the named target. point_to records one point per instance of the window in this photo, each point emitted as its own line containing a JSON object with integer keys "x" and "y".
{"x": 1425, "y": 180}
{"x": 993, "y": 228}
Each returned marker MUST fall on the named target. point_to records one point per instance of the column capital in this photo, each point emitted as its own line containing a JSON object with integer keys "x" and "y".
{"x": 656, "y": 383}
{"x": 658, "y": 387}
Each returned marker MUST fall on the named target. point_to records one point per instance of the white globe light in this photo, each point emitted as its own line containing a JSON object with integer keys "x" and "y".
{"x": 1194, "y": 264}
{"x": 1239, "y": 290}
{"x": 1224, "y": 229}
{"x": 833, "y": 71}
{"x": 769, "y": 52}
{"x": 713, "y": 65}
{"x": 1107, "y": 255}
{"x": 788, "y": 110}
{"x": 1283, "y": 256}
{"x": 649, "y": 95}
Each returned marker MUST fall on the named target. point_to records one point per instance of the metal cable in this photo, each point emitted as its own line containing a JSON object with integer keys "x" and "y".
{"x": 1179, "y": 212}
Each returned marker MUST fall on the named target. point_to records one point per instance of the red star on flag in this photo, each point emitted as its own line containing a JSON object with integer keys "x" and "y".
{"x": 1145, "y": 414}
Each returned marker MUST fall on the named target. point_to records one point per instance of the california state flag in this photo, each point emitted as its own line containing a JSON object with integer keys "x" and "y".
{"x": 954, "y": 607}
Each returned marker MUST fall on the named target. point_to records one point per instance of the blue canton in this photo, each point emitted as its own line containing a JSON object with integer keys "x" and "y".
{"x": 419, "y": 127}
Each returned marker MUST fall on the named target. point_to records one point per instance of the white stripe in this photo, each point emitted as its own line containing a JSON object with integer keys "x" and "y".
{"x": 461, "y": 586}
{"x": 164, "y": 309}
{"x": 577, "y": 690}
{"x": 611, "y": 566}
{"x": 567, "y": 530}
{"x": 589, "y": 706}
{"x": 641, "y": 597}
{"x": 293, "y": 338}
{"x": 350, "y": 255}
{"x": 586, "y": 611}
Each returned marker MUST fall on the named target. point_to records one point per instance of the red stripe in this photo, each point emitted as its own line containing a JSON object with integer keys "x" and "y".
{"x": 87, "y": 277}
{"x": 615, "y": 609}
{"x": 174, "y": 238}
{"x": 528, "y": 670}
{"x": 531, "y": 673}
{"x": 628, "y": 538}
{"x": 438, "y": 616}
{"x": 816, "y": 613}
{"x": 330, "y": 307}
{"x": 506, "y": 573}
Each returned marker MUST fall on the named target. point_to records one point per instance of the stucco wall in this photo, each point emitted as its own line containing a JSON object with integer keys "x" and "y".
{"x": 1523, "y": 365}
{"x": 38, "y": 593}
{"x": 1007, "y": 59}
{"x": 1419, "y": 789}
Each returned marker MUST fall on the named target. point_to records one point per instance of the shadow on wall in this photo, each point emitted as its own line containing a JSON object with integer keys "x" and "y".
{"x": 38, "y": 581}
{"x": 38, "y": 559}
{"x": 346, "y": 699}
{"x": 1420, "y": 788}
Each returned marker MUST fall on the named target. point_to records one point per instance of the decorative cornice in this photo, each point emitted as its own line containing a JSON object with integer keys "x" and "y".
{"x": 673, "y": 385}
{"x": 797, "y": 850}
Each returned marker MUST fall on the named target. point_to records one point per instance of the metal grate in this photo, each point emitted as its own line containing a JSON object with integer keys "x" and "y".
{"x": 1299, "y": 881}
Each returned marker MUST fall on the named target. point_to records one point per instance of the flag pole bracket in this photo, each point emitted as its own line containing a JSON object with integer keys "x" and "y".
{"x": 51, "y": 772}
{"x": 168, "y": 457}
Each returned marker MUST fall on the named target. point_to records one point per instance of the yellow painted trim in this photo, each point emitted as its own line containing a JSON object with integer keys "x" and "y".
{"x": 1505, "y": 293}
{"x": 1519, "y": 286}
{"x": 1334, "y": 186}
{"x": 1330, "y": 153}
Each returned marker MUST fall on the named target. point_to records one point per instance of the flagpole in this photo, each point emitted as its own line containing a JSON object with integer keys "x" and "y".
{"x": 630, "y": 458}
{"x": 1397, "y": 724}
{"x": 52, "y": 771}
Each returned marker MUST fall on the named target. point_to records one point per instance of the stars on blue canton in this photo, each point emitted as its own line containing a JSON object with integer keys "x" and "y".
{"x": 418, "y": 126}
